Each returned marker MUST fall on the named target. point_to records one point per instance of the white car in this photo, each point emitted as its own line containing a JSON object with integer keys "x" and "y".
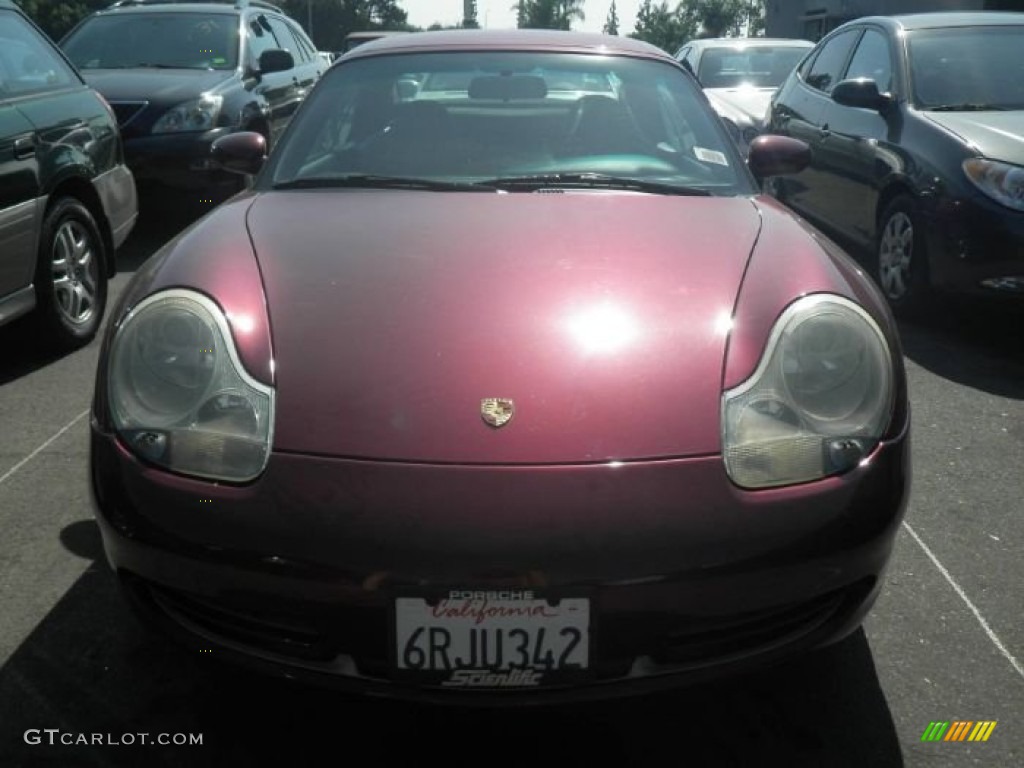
{"x": 740, "y": 75}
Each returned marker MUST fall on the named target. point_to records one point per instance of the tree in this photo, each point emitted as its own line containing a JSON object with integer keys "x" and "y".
{"x": 57, "y": 19}
{"x": 611, "y": 24}
{"x": 725, "y": 18}
{"x": 469, "y": 20}
{"x": 659, "y": 26}
{"x": 548, "y": 14}
{"x": 755, "y": 18}
{"x": 334, "y": 19}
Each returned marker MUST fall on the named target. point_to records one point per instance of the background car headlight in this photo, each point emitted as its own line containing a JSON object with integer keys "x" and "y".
{"x": 197, "y": 115}
{"x": 1003, "y": 182}
{"x": 179, "y": 396}
{"x": 820, "y": 400}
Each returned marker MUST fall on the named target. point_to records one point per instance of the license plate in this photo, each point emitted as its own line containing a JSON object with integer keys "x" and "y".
{"x": 516, "y": 638}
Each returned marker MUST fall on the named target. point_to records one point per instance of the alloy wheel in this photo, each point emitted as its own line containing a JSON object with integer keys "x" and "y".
{"x": 895, "y": 253}
{"x": 75, "y": 270}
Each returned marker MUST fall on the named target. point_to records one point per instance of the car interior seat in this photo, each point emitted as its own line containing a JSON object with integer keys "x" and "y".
{"x": 603, "y": 125}
{"x": 418, "y": 139}
{"x": 372, "y": 109}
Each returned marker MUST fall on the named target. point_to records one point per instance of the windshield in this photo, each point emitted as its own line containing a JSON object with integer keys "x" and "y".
{"x": 967, "y": 68}
{"x": 27, "y": 62}
{"x": 162, "y": 40}
{"x": 755, "y": 67}
{"x": 540, "y": 118}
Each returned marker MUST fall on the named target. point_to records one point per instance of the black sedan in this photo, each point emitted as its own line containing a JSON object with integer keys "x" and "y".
{"x": 179, "y": 75}
{"x": 917, "y": 129}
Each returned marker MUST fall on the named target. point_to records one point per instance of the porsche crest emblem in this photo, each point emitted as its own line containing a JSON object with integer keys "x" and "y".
{"x": 497, "y": 411}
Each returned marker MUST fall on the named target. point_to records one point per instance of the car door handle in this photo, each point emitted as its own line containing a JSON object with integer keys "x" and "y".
{"x": 824, "y": 132}
{"x": 24, "y": 148}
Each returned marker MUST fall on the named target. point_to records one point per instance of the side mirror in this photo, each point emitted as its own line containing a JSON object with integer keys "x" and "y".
{"x": 275, "y": 60}
{"x": 777, "y": 156}
{"x": 243, "y": 152}
{"x": 861, "y": 92}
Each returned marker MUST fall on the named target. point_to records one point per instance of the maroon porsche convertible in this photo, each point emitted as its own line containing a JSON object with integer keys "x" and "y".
{"x": 503, "y": 382}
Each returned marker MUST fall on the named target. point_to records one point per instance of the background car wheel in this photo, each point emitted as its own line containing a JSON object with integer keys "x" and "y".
{"x": 901, "y": 257}
{"x": 71, "y": 278}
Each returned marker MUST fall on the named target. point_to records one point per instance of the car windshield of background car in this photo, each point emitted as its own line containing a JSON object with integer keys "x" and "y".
{"x": 757, "y": 67}
{"x": 158, "y": 40}
{"x": 470, "y": 117}
{"x": 968, "y": 68}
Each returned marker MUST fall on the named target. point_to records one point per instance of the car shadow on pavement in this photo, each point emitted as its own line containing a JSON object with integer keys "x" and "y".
{"x": 23, "y": 352}
{"x": 162, "y": 215}
{"x": 89, "y": 668}
{"x": 974, "y": 343}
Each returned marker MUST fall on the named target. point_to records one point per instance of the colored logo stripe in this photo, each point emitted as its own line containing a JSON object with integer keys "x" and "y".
{"x": 982, "y": 731}
{"x": 958, "y": 730}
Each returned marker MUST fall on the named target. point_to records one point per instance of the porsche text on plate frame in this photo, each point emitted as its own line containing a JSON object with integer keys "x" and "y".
{"x": 709, "y": 458}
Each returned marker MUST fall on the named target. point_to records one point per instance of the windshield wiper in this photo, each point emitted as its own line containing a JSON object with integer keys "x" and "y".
{"x": 591, "y": 181}
{"x": 371, "y": 181}
{"x": 967, "y": 108}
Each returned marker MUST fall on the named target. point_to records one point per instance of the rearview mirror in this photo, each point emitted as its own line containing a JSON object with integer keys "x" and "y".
{"x": 507, "y": 87}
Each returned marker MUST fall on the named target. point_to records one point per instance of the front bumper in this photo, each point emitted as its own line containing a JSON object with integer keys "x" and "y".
{"x": 976, "y": 246}
{"x": 689, "y": 577}
{"x": 178, "y": 160}
{"x": 118, "y": 196}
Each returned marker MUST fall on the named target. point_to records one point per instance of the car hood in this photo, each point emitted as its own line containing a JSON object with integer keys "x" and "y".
{"x": 750, "y": 104}
{"x": 603, "y": 317}
{"x": 157, "y": 86}
{"x": 997, "y": 135}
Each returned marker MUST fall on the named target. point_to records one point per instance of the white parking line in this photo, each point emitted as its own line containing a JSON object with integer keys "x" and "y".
{"x": 963, "y": 596}
{"x": 43, "y": 447}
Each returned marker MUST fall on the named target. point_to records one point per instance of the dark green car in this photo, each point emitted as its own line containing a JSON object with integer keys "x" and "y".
{"x": 67, "y": 200}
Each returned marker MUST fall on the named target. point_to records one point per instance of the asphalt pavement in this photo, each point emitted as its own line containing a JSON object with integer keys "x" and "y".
{"x": 945, "y": 641}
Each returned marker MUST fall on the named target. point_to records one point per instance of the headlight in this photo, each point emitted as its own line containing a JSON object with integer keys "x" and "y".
{"x": 820, "y": 400}
{"x": 179, "y": 396}
{"x": 197, "y": 115}
{"x": 1003, "y": 182}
